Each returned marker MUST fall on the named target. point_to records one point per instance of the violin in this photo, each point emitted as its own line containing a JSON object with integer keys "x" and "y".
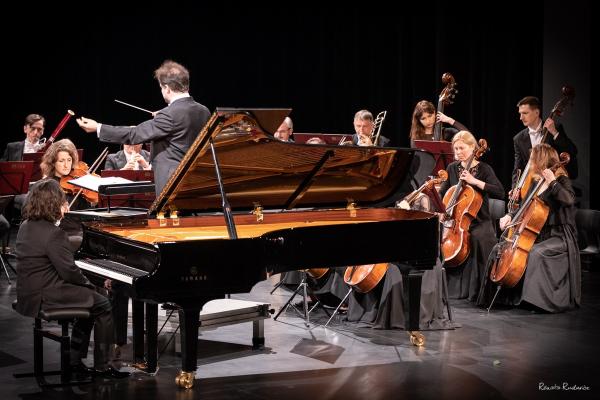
{"x": 81, "y": 169}
{"x": 78, "y": 171}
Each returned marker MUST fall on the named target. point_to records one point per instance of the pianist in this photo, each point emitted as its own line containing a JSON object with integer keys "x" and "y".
{"x": 47, "y": 278}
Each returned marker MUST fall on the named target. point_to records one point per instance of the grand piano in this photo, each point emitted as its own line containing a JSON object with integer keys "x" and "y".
{"x": 242, "y": 205}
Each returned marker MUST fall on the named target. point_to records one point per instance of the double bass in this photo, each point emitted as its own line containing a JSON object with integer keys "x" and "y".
{"x": 462, "y": 205}
{"x": 446, "y": 97}
{"x": 518, "y": 239}
{"x": 525, "y": 178}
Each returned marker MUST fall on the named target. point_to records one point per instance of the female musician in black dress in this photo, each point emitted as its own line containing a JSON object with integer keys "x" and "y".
{"x": 552, "y": 279}
{"x": 464, "y": 281}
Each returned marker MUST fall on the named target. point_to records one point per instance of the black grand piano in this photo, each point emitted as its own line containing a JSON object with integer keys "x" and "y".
{"x": 242, "y": 205}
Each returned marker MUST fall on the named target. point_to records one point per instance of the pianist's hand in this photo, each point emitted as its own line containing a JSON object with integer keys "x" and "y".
{"x": 108, "y": 284}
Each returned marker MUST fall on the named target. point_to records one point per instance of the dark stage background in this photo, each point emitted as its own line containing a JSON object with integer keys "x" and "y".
{"x": 324, "y": 63}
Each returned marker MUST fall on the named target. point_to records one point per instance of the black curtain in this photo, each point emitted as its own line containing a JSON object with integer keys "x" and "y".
{"x": 325, "y": 63}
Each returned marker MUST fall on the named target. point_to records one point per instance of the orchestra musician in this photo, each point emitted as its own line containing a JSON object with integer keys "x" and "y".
{"x": 529, "y": 113}
{"x": 34, "y": 129}
{"x": 171, "y": 131}
{"x": 58, "y": 162}
{"x": 285, "y": 131}
{"x": 423, "y": 122}
{"x": 48, "y": 278}
{"x": 464, "y": 281}
{"x": 552, "y": 278}
{"x": 132, "y": 157}
{"x": 364, "y": 125}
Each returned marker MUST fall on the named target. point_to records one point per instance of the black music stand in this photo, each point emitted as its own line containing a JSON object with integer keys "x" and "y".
{"x": 302, "y": 287}
{"x": 14, "y": 180}
{"x": 441, "y": 151}
{"x": 138, "y": 200}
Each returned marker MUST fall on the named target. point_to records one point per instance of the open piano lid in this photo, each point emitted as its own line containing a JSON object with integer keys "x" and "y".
{"x": 258, "y": 169}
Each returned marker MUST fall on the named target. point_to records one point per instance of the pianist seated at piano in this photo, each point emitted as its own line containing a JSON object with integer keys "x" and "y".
{"x": 34, "y": 129}
{"x": 59, "y": 161}
{"x": 47, "y": 278}
{"x": 132, "y": 157}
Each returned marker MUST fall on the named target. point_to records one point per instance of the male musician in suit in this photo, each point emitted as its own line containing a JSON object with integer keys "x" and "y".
{"x": 285, "y": 131}
{"x": 363, "y": 126}
{"x": 132, "y": 157}
{"x": 34, "y": 129}
{"x": 172, "y": 130}
{"x": 525, "y": 140}
{"x": 48, "y": 278}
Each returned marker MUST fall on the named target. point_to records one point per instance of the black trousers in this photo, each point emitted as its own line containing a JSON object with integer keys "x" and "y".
{"x": 102, "y": 322}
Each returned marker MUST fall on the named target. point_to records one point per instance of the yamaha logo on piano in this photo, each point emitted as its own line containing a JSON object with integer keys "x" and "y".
{"x": 193, "y": 276}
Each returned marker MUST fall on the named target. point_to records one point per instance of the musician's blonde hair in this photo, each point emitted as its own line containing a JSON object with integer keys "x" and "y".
{"x": 466, "y": 137}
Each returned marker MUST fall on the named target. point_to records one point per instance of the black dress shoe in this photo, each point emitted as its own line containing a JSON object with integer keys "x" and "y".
{"x": 82, "y": 369}
{"x": 112, "y": 373}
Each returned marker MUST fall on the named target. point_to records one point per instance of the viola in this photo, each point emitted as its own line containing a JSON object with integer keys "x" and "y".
{"x": 462, "y": 205}
{"x": 317, "y": 273}
{"x": 523, "y": 183}
{"x": 519, "y": 238}
{"x": 81, "y": 169}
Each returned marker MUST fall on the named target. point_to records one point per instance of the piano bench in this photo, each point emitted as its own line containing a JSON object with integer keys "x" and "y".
{"x": 63, "y": 316}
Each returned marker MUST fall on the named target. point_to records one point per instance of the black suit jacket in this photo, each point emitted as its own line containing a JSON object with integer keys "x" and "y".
{"x": 522, "y": 144}
{"x": 119, "y": 159}
{"x": 13, "y": 151}
{"x": 46, "y": 271}
{"x": 172, "y": 131}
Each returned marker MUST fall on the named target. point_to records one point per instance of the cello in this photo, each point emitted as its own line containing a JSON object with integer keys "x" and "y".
{"x": 430, "y": 184}
{"x": 462, "y": 205}
{"x": 519, "y": 191}
{"x": 518, "y": 239}
{"x": 446, "y": 97}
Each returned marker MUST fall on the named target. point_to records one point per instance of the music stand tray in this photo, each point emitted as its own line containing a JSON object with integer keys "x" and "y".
{"x": 441, "y": 150}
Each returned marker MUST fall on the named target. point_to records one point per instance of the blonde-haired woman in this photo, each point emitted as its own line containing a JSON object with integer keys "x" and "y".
{"x": 465, "y": 280}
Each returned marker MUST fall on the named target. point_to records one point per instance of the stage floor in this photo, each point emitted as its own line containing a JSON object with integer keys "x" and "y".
{"x": 509, "y": 353}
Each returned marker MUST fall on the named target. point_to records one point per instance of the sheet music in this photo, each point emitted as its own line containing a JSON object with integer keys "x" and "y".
{"x": 92, "y": 182}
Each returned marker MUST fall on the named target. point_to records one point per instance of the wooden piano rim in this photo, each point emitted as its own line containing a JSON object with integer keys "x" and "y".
{"x": 247, "y": 226}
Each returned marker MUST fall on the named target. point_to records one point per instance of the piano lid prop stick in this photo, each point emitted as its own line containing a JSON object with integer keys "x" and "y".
{"x": 131, "y": 105}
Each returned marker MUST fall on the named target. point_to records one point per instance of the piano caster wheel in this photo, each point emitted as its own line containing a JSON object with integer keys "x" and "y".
{"x": 185, "y": 380}
{"x": 417, "y": 338}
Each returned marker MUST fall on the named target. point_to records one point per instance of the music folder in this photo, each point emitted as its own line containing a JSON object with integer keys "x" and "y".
{"x": 15, "y": 177}
{"x": 139, "y": 194}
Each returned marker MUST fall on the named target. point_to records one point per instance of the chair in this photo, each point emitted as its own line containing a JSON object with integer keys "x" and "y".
{"x": 63, "y": 316}
{"x": 497, "y": 210}
{"x": 588, "y": 233}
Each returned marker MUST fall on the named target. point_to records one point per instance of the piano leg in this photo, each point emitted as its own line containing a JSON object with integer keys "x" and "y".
{"x": 137, "y": 319}
{"x": 411, "y": 283}
{"x": 148, "y": 313}
{"x": 189, "y": 322}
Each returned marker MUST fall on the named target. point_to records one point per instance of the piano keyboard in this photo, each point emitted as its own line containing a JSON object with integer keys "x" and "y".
{"x": 110, "y": 269}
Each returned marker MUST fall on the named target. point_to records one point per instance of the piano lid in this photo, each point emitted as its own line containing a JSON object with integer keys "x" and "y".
{"x": 256, "y": 168}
